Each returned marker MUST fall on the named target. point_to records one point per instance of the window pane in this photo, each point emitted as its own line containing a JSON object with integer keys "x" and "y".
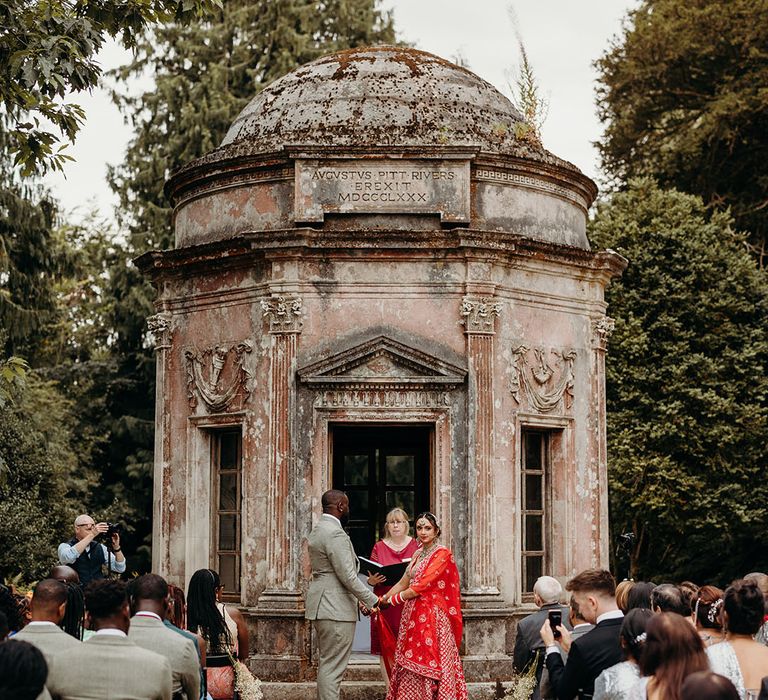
{"x": 533, "y": 570}
{"x": 228, "y": 450}
{"x": 355, "y": 470}
{"x": 359, "y": 536}
{"x": 358, "y": 504}
{"x": 401, "y": 499}
{"x": 532, "y": 451}
{"x": 228, "y": 532}
{"x": 228, "y": 573}
{"x": 228, "y": 492}
{"x": 400, "y": 470}
{"x": 533, "y": 534}
{"x": 533, "y": 492}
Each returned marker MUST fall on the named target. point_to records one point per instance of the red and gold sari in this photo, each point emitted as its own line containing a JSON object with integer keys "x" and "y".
{"x": 427, "y": 663}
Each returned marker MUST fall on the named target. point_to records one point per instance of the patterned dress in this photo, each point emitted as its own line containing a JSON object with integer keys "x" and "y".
{"x": 722, "y": 660}
{"x": 427, "y": 663}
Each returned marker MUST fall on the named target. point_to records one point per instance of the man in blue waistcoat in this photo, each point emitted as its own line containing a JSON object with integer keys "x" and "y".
{"x": 87, "y": 557}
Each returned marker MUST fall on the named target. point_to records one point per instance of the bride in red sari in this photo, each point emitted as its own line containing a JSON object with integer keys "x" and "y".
{"x": 427, "y": 664}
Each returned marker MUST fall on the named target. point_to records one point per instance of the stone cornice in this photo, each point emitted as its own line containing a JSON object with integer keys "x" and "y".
{"x": 491, "y": 245}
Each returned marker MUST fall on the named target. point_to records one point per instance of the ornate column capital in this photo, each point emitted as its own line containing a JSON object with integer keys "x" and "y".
{"x": 478, "y": 315}
{"x": 602, "y": 328}
{"x": 284, "y": 314}
{"x": 159, "y": 326}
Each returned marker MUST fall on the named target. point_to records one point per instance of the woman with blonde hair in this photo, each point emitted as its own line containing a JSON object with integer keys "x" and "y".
{"x": 396, "y": 547}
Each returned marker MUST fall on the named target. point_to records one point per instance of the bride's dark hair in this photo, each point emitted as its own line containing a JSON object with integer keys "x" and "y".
{"x": 432, "y": 519}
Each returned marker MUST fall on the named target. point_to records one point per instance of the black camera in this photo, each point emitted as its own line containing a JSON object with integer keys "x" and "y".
{"x": 626, "y": 540}
{"x": 112, "y": 528}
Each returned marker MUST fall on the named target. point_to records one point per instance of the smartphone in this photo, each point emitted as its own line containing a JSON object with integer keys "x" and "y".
{"x": 555, "y": 619}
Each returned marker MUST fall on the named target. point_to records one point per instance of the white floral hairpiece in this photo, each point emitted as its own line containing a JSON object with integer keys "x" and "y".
{"x": 640, "y": 639}
{"x": 712, "y": 612}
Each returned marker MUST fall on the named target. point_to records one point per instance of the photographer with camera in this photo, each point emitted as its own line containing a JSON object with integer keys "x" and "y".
{"x": 89, "y": 558}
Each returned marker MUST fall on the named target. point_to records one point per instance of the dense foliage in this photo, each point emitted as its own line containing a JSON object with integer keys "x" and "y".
{"x": 684, "y": 97}
{"x": 687, "y": 387}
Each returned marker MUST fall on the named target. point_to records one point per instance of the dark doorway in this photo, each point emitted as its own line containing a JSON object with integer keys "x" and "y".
{"x": 380, "y": 468}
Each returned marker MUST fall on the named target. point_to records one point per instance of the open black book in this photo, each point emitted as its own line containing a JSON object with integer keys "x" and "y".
{"x": 393, "y": 572}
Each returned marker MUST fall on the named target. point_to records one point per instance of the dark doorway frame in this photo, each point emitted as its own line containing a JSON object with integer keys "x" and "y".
{"x": 381, "y": 466}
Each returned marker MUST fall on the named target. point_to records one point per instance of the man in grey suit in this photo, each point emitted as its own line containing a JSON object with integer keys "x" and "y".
{"x": 109, "y": 666}
{"x": 546, "y": 595}
{"x": 49, "y": 603}
{"x": 149, "y": 602}
{"x": 334, "y": 592}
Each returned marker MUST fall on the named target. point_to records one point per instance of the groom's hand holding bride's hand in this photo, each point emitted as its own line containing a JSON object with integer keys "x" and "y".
{"x": 384, "y": 602}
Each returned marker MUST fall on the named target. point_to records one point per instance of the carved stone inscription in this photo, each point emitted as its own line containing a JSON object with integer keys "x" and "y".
{"x": 382, "y": 186}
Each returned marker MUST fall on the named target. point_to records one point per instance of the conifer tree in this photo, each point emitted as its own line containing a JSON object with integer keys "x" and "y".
{"x": 205, "y": 73}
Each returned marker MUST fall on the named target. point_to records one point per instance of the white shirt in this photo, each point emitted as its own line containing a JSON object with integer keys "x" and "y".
{"x": 146, "y": 613}
{"x": 111, "y": 632}
{"x": 41, "y": 622}
{"x": 612, "y": 615}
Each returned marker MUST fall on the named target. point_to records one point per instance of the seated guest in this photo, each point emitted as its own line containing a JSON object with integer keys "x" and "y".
{"x": 149, "y": 602}
{"x": 9, "y": 607}
{"x": 617, "y": 681}
{"x": 176, "y": 620}
{"x": 705, "y": 685}
{"x": 23, "y": 672}
{"x": 672, "y": 652}
{"x": 65, "y": 574}
{"x": 109, "y": 665}
{"x": 595, "y": 593}
{"x": 87, "y": 557}
{"x": 49, "y": 602}
{"x": 689, "y": 590}
{"x": 640, "y": 595}
{"x": 762, "y": 583}
{"x": 707, "y": 606}
{"x": 667, "y": 597}
{"x": 740, "y": 658}
{"x": 622, "y": 594}
{"x": 578, "y": 623}
{"x": 546, "y": 596}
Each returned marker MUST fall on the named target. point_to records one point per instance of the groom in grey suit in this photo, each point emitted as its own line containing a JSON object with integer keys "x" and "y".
{"x": 334, "y": 592}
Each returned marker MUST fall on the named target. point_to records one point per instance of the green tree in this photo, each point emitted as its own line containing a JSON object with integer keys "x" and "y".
{"x": 205, "y": 73}
{"x": 683, "y": 94}
{"x": 48, "y": 51}
{"x": 44, "y": 486}
{"x": 687, "y": 387}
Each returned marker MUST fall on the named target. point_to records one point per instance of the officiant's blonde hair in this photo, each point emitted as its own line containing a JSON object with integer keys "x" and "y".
{"x": 392, "y": 513}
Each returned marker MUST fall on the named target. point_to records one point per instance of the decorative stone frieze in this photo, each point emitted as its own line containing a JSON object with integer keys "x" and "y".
{"x": 382, "y": 398}
{"x": 284, "y": 314}
{"x": 602, "y": 329}
{"x": 218, "y": 374}
{"x": 544, "y": 386}
{"x": 479, "y": 315}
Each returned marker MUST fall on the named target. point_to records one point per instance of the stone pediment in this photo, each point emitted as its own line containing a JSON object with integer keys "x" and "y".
{"x": 382, "y": 361}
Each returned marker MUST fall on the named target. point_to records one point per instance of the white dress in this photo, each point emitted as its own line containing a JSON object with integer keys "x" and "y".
{"x": 616, "y": 682}
{"x": 722, "y": 659}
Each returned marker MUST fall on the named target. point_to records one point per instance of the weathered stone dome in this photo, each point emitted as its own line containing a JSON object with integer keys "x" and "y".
{"x": 382, "y": 96}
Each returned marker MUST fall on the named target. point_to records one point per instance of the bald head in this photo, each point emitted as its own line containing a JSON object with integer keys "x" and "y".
{"x": 63, "y": 573}
{"x": 49, "y": 601}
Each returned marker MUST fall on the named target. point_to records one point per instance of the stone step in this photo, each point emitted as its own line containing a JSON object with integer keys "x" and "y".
{"x": 368, "y": 690}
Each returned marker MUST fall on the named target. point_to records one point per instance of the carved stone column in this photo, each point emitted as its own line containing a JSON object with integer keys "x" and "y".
{"x": 602, "y": 327}
{"x": 159, "y": 326}
{"x": 479, "y": 319}
{"x": 284, "y": 316}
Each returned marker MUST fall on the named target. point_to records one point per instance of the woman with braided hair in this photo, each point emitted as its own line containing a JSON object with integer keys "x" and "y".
{"x": 223, "y": 629}
{"x": 427, "y": 664}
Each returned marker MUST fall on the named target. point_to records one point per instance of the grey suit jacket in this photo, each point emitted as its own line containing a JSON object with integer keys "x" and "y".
{"x": 335, "y": 588}
{"x": 109, "y": 668}
{"x": 49, "y": 639}
{"x": 152, "y": 634}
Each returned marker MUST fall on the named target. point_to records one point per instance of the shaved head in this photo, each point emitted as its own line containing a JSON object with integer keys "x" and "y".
{"x": 49, "y": 593}
{"x": 332, "y": 498}
{"x": 64, "y": 573}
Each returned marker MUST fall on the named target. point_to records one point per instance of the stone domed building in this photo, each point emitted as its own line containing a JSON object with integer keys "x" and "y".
{"x": 381, "y": 283}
